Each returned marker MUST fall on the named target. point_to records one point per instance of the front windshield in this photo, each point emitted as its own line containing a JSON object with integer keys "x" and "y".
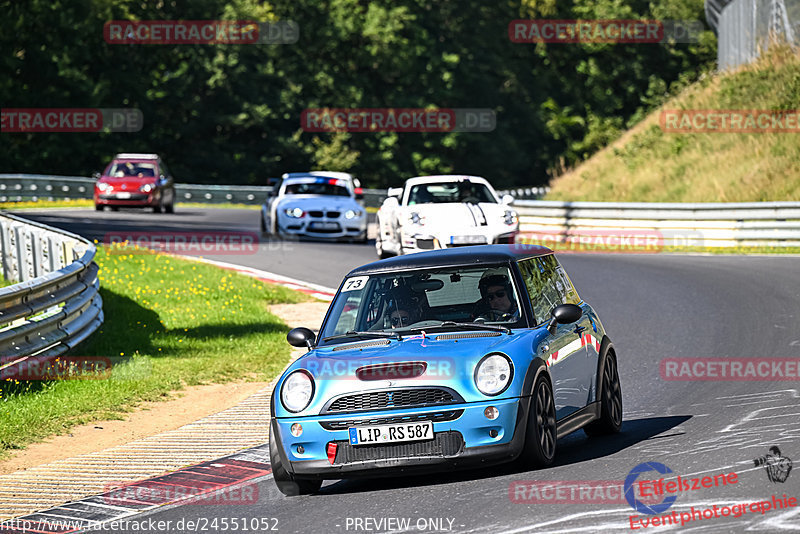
{"x": 403, "y": 302}
{"x": 447, "y": 192}
{"x": 124, "y": 169}
{"x": 316, "y": 188}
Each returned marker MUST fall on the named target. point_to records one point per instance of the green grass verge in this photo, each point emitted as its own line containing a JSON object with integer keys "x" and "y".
{"x": 649, "y": 165}
{"x": 169, "y": 323}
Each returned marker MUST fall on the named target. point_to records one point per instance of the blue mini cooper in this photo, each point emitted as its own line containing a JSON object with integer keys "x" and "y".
{"x": 444, "y": 359}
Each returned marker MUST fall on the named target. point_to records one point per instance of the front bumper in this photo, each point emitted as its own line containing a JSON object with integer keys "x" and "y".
{"x": 132, "y": 199}
{"x": 461, "y": 442}
{"x": 340, "y": 228}
{"x": 419, "y": 242}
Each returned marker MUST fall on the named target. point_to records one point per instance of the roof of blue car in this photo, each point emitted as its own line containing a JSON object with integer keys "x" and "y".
{"x": 452, "y": 257}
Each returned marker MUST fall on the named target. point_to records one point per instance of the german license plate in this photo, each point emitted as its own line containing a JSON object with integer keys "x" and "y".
{"x": 123, "y": 195}
{"x": 378, "y": 435}
{"x": 467, "y": 240}
{"x": 324, "y": 226}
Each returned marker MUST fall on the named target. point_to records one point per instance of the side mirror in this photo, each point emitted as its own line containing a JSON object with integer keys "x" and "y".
{"x": 301, "y": 337}
{"x": 507, "y": 199}
{"x": 563, "y": 314}
{"x": 96, "y": 175}
{"x": 396, "y": 192}
{"x": 359, "y": 192}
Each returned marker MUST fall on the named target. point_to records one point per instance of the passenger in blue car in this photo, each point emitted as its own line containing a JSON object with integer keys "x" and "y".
{"x": 498, "y": 303}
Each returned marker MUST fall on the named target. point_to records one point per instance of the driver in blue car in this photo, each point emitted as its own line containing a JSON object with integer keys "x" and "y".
{"x": 497, "y": 303}
{"x": 403, "y": 312}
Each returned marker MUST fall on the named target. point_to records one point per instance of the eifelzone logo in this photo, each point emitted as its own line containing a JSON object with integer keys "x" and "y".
{"x": 636, "y": 504}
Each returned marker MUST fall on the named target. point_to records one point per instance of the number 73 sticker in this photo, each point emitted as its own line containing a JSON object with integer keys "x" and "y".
{"x": 355, "y": 283}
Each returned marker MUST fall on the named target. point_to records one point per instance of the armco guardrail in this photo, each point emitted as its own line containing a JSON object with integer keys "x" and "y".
{"x": 652, "y": 226}
{"x": 21, "y": 187}
{"x": 55, "y": 303}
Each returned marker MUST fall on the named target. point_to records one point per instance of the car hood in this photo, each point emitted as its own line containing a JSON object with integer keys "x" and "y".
{"x": 319, "y": 202}
{"x": 448, "y": 363}
{"x": 459, "y": 214}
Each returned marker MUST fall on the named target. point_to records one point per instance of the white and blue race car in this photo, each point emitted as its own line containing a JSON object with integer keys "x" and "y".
{"x": 318, "y": 205}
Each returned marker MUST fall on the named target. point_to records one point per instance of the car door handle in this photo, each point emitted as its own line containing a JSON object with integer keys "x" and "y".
{"x": 579, "y": 329}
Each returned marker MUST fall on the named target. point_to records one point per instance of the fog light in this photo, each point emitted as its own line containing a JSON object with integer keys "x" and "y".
{"x": 300, "y": 449}
{"x": 491, "y": 413}
{"x": 297, "y": 430}
{"x": 493, "y": 433}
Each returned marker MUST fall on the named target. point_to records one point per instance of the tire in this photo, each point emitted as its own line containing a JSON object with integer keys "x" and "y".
{"x": 170, "y": 208}
{"x": 98, "y": 207}
{"x": 610, "y": 421}
{"x": 283, "y": 479}
{"x": 540, "y": 434}
{"x": 158, "y": 208}
{"x": 114, "y": 208}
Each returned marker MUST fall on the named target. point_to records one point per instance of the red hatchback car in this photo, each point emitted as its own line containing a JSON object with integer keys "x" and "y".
{"x": 135, "y": 180}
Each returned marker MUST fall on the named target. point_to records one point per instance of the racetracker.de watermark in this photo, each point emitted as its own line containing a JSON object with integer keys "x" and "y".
{"x": 571, "y": 492}
{"x": 730, "y": 369}
{"x": 209, "y": 32}
{"x": 72, "y": 120}
{"x": 120, "y": 494}
{"x": 233, "y": 243}
{"x": 730, "y": 121}
{"x": 398, "y": 120}
{"x": 615, "y": 31}
{"x": 595, "y": 240}
{"x": 368, "y": 370}
{"x": 35, "y": 368}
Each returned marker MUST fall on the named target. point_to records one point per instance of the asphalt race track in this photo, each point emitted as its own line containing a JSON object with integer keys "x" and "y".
{"x": 654, "y": 307}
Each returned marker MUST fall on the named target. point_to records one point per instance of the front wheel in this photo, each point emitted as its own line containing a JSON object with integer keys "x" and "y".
{"x": 283, "y": 479}
{"x": 540, "y": 435}
{"x": 610, "y": 421}
{"x": 97, "y": 207}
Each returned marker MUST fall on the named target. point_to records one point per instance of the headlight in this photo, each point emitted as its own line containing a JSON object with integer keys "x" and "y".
{"x": 493, "y": 374}
{"x": 297, "y": 391}
{"x": 146, "y": 188}
{"x": 510, "y": 218}
{"x": 416, "y": 218}
{"x": 295, "y": 213}
{"x": 102, "y": 186}
{"x": 352, "y": 214}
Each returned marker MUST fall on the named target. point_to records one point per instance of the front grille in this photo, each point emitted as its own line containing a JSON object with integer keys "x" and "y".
{"x": 425, "y": 244}
{"x": 436, "y": 417}
{"x": 325, "y": 230}
{"x": 393, "y": 398}
{"x": 333, "y": 214}
{"x": 443, "y": 445}
{"x": 317, "y": 214}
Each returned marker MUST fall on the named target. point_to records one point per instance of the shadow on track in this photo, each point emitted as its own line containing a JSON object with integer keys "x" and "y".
{"x": 572, "y": 449}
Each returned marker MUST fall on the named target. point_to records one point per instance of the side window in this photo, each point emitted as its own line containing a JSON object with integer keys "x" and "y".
{"x": 564, "y": 285}
{"x": 548, "y": 286}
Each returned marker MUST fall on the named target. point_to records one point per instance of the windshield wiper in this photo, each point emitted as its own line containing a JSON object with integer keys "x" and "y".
{"x": 470, "y": 326}
{"x": 363, "y": 335}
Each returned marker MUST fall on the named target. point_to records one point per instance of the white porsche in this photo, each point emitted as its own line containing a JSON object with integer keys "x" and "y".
{"x": 320, "y": 205}
{"x": 432, "y": 212}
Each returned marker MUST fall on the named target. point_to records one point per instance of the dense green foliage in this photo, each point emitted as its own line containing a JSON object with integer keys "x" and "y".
{"x": 231, "y": 113}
